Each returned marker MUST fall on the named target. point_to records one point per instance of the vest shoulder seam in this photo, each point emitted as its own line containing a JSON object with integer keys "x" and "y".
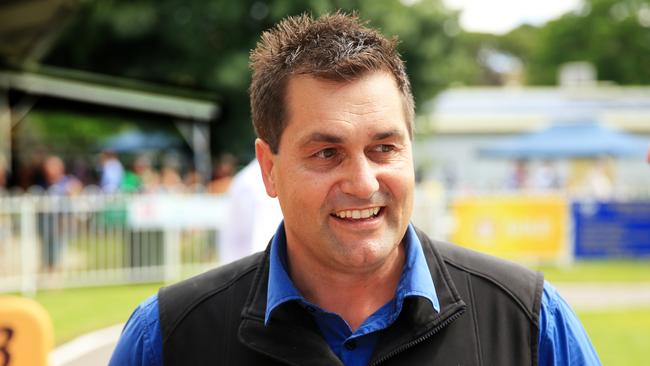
{"x": 449, "y": 252}
{"x": 505, "y": 288}
{"x": 205, "y": 294}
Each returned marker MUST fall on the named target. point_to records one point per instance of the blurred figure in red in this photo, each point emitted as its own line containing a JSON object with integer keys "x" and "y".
{"x": 222, "y": 175}
{"x": 4, "y": 176}
{"x": 518, "y": 178}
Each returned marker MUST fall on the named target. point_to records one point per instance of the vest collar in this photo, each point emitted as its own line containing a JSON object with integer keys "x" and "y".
{"x": 293, "y": 337}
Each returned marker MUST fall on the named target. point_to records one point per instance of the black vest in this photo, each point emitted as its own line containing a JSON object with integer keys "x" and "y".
{"x": 488, "y": 316}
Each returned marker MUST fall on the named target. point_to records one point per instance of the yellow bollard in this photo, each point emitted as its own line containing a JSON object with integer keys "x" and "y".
{"x": 26, "y": 332}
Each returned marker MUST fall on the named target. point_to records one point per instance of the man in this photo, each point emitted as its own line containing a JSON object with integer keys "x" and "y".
{"x": 346, "y": 279}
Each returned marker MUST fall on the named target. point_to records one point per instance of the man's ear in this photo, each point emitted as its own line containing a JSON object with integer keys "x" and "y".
{"x": 267, "y": 165}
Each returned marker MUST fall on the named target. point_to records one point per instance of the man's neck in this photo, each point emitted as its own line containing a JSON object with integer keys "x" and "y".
{"x": 354, "y": 295}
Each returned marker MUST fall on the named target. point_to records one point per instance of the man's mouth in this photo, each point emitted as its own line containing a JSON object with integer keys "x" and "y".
{"x": 362, "y": 214}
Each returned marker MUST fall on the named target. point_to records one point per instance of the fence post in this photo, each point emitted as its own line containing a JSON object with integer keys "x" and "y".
{"x": 28, "y": 249}
{"x": 172, "y": 240}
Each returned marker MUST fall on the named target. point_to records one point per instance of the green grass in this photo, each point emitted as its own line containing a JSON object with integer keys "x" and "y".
{"x": 78, "y": 311}
{"x": 634, "y": 271}
{"x": 621, "y": 337}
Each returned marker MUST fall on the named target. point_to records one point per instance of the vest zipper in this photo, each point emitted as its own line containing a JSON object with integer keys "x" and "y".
{"x": 421, "y": 339}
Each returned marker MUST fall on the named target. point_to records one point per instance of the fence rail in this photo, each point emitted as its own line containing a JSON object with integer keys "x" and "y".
{"x": 94, "y": 239}
{"x": 53, "y": 241}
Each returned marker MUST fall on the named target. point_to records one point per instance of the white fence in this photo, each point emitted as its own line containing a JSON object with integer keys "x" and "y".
{"x": 51, "y": 241}
{"x": 88, "y": 240}
{"x": 96, "y": 239}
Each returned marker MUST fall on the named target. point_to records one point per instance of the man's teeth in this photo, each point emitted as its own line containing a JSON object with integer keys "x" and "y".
{"x": 358, "y": 214}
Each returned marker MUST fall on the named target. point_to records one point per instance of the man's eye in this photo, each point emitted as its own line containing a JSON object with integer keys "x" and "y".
{"x": 326, "y": 153}
{"x": 384, "y": 148}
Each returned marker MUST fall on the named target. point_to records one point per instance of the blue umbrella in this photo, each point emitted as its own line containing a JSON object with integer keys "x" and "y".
{"x": 568, "y": 140}
{"x": 134, "y": 140}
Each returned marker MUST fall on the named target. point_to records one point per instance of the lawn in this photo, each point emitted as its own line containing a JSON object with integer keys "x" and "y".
{"x": 599, "y": 271}
{"x": 77, "y": 311}
{"x": 621, "y": 337}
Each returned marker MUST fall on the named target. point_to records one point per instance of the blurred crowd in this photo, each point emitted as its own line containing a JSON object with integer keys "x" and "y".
{"x": 50, "y": 173}
{"x": 592, "y": 178}
{"x": 111, "y": 173}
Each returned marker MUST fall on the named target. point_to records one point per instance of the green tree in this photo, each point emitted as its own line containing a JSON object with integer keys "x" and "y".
{"x": 614, "y": 35}
{"x": 204, "y": 44}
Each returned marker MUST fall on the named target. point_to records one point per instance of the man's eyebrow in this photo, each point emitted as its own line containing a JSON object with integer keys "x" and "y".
{"x": 388, "y": 134}
{"x": 321, "y": 137}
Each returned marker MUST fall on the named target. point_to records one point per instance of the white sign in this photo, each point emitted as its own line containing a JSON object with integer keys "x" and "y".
{"x": 177, "y": 211}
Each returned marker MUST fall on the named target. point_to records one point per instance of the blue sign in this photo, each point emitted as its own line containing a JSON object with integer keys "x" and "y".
{"x": 611, "y": 229}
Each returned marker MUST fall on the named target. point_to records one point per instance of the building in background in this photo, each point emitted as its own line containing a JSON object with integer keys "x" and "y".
{"x": 466, "y": 118}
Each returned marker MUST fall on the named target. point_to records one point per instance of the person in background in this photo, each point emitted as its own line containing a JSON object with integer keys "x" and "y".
{"x": 112, "y": 172}
{"x": 141, "y": 178}
{"x": 4, "y": 176}
{"x": 53, "y": 220}
{"x": 193, "y": 181}
{"x": 546, "y": 177}
{"x": 132, "y": 181}
{"x": 247, "y": 198}
{"x": 518, "y": 179}
{"x": 222, "y": 175}
{"x": 57, "y": 182}
{"x": 347, "y": 279}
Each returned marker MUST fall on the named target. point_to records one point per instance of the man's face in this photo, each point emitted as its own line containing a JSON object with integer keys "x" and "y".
{"x": 344, "y": 171}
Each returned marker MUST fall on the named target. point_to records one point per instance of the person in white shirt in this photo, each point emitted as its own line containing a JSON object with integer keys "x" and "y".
{"x": 252, "y": 216}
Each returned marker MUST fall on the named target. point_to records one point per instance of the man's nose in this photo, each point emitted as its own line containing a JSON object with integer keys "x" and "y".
{"x": 360, "y": 178}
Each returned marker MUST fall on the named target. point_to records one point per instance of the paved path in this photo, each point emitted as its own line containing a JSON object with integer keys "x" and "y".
{"x": 96, "y": 348}
{"x": 89, "y": 349}
{"x": 594, "y": 296}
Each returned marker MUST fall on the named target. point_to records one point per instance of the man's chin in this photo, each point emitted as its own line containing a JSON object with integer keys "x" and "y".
{"x": 365, "y": 250}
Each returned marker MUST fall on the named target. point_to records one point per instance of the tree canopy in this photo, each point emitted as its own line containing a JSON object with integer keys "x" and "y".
{"x": 205, "y": 45}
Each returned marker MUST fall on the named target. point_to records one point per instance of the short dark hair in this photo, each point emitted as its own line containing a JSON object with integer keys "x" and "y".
{"x": 336, "y": 47}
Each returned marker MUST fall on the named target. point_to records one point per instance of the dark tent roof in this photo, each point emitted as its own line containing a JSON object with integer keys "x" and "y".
{"x": 566, "y": 140}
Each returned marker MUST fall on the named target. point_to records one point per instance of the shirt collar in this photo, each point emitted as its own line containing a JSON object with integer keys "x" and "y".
{"x": 415, "y": 279}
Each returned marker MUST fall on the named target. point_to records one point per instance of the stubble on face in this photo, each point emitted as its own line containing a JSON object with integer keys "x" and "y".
{"x": 346, "y": 148}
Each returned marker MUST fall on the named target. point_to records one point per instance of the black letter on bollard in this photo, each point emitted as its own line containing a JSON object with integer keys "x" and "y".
{"x": 5, "y": 337}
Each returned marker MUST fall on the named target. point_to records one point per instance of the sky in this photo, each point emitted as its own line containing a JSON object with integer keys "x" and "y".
{"x": 501, "y": 16}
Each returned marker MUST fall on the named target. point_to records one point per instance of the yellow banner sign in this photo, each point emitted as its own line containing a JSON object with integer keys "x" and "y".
{"x": 525, "y": 228}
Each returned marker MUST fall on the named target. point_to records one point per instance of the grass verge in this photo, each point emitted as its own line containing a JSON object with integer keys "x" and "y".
{"x": 599, "y": 271}
{"x": 80, "y": 310}
{"x": 620, "y": 336}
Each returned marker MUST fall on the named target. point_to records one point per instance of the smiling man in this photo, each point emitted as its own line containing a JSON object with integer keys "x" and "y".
{"x": 346, "y": 279}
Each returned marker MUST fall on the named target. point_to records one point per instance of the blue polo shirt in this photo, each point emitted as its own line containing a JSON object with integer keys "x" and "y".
{"x": 562, "y": 339}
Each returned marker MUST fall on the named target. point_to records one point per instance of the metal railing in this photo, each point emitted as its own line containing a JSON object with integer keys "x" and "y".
{"x": 94, "y": 239}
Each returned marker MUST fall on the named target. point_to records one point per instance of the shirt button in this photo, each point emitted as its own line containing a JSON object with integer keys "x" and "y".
{"x": 310, "y": 308}
{"x": 350, "y": 345}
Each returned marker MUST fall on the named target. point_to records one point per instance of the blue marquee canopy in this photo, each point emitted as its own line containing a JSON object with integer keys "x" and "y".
{"x": 568, "y": 140}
